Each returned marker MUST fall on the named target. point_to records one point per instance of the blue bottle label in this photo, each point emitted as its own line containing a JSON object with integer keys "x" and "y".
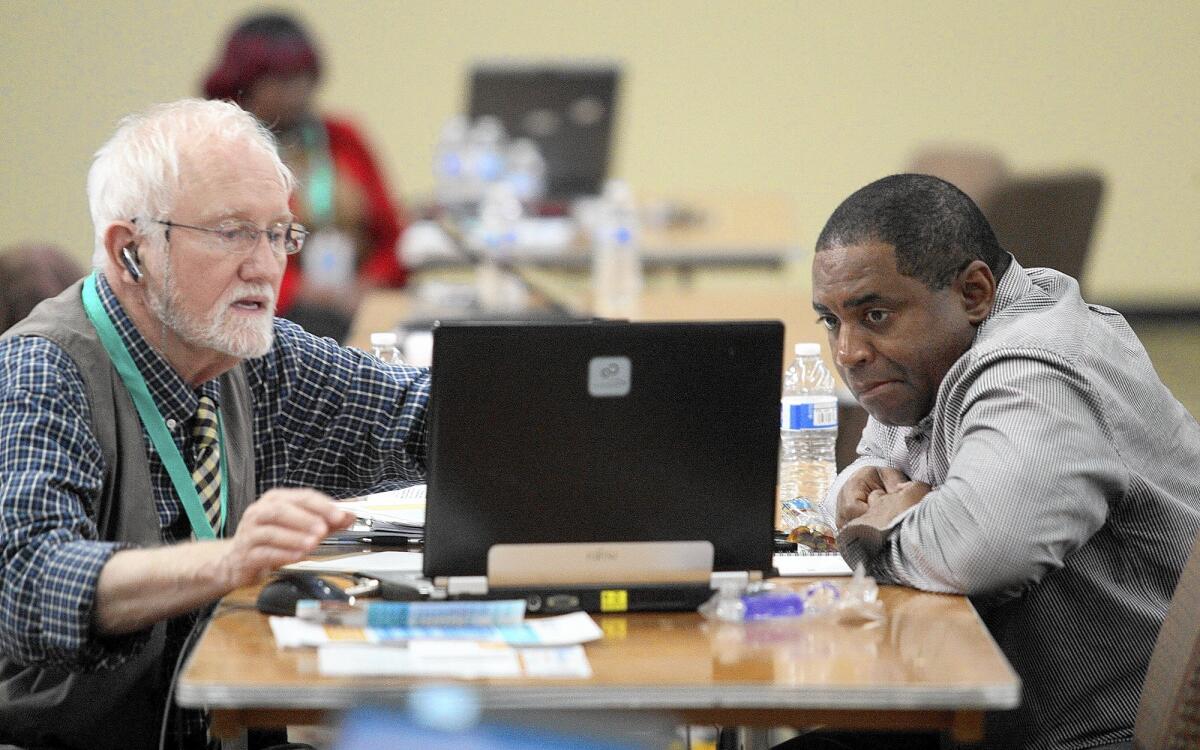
{"x": 808, "y": 412}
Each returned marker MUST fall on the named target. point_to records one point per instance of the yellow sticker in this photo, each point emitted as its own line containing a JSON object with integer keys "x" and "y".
{"x": 614, "y": 600}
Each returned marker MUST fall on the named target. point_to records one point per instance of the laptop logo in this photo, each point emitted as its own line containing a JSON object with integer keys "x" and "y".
{"x": 609, "y": 377}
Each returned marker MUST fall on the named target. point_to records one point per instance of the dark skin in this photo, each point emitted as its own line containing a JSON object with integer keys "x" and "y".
{"x": 281, "y": 102}
{"x": 894, "y": 339}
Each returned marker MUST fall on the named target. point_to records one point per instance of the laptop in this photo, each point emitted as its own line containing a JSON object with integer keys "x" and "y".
{"x": 567, "y": 108}
{"x": 577, "y": 456}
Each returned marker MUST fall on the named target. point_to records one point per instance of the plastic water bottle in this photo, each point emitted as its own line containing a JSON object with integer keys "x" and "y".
{"x": 616, "y": 260}
{"x": 484, "y": 157}
{"x": 499, "y": 216}
{"x": 526, "y": 171}
{"x": 449, "y": 164}
{"x": 808, "y": 436}
{"x": 385, "y": 345}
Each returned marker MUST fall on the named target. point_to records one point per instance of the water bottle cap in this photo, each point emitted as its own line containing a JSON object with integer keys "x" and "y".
{"x": 808, "y": 349}
{"x": 384, "y": 338}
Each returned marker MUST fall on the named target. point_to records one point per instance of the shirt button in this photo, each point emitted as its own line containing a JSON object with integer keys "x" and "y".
{"x": 171, "y": 423}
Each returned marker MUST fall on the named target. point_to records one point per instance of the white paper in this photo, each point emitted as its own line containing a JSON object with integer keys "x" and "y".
{"x": 565, "y": 630}
{"x": 564, "y": 661}
{"x": 560, "y": 630}
{"x": 481, "y": 660}
{"x": 811, "y": 565}
{"x": 404, "y": 506}
{"x": 292, "y": 632}
{"x": 461, "y": 659}
{"x": 388, "y": 561}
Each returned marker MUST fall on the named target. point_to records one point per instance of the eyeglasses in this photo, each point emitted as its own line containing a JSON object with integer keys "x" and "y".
{"x": 241, "y": 237}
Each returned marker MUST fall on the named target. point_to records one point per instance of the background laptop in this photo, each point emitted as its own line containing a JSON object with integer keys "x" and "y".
{"x": 566, "y": 107}
{"x": 602, "y": 432}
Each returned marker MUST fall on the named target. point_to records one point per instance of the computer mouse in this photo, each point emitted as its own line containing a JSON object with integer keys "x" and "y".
{"x": 401, "y": 588}
{"x": 279, "y": 597}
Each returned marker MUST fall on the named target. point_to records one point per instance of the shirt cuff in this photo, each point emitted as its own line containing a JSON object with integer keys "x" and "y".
{"x": 869, "y": 546}
{"x": 68, "y": 599}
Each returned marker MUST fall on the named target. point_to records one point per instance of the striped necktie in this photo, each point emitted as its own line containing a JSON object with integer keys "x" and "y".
{"x": 207, "y": 474}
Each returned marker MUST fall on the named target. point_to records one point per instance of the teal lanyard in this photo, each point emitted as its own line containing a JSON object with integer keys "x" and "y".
{"x": 152, "y": 418}
{"x": 320, "y": 173}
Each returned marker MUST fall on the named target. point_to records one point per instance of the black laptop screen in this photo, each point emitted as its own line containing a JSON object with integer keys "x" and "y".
{"x": 603, "y": 431}
{"x": 567, "y": 108}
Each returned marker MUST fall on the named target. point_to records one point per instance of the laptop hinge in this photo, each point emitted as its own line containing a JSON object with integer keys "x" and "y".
{"x": 734, "y": 578}
{"x": 463, "y": 585}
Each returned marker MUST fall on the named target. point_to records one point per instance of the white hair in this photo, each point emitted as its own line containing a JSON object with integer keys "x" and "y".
{"x": 136, "y": 173}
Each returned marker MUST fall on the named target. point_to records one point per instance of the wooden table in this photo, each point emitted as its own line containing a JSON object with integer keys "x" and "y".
{"x": 930, "y": 666}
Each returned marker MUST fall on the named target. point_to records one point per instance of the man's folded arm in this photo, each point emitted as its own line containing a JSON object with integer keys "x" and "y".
{"x": 1029, "y": 481}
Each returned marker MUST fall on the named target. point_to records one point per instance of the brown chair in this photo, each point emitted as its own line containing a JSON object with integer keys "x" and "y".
{"x": 852, "y": 418}
{"x": 1169, "y": 709}
{"x": 1047, "y": 220}
{"x": 29, "y": 274}
{"x": 976, "y": 171}
{"x": 1043, "y": 219}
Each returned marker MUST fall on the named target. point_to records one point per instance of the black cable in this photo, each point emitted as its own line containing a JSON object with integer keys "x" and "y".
{"x": 188, "y": 642}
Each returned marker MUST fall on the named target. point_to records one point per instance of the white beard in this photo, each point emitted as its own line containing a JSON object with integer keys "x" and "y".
{"x": 222, "y": 330}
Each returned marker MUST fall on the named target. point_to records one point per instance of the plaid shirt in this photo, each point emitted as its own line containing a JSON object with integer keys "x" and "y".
{"x": 1065, "y": 501}
{"x": 324, "y": 416}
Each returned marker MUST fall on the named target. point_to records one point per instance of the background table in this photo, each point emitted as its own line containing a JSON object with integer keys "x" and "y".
{"x": 681, "y": 234}
{"x": 708, "y": 296}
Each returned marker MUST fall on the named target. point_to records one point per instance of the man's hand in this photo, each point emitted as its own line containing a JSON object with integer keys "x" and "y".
{"x": 281, "y": 527}
{"x": 139, "y": 587}
{"x": 883, "y": 506}
{"x": 853, "y": 499}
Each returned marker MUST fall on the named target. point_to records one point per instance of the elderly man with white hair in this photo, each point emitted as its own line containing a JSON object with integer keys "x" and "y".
{"x": 164, "y": 438}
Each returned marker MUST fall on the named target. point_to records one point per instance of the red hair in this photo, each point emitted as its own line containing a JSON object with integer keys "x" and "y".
{"x": 269, "y": 44}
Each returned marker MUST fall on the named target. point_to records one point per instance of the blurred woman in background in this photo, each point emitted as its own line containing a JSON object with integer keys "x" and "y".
{"x": 271, "y": 67}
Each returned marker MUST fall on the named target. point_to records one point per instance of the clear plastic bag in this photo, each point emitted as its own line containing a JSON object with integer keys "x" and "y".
{"x": 855, "y": 599}
{"x": 807, "y": 526}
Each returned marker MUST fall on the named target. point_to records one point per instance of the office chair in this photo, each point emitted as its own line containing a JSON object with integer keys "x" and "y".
{"x": 1169, "y": 709}
{"x": 852, "y": 418}
{"x": 974, "y": 170}
{"x": 1047, "y": 220}
{"x": 30, "y": 273}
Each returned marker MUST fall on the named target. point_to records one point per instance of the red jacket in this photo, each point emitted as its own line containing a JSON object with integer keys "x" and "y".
{"x": 352, "y": 161}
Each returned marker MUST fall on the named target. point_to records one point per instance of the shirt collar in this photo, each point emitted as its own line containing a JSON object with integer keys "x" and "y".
{"x": 1013, "y": 285}
{"x": 173, "y": 396}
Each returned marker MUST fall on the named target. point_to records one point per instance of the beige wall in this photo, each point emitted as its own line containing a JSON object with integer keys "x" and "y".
{"x": 810, "y": 98}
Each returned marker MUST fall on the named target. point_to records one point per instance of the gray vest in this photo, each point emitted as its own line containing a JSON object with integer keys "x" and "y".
{"x": 119, "y": 708}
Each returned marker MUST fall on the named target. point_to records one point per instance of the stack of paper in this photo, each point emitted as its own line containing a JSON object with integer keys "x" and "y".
{"x": 542, "y": 647}
{"x": 460, "y": 659}
{"x": 561, "y": 630}
{"x": 398, "y": 515}
{"x": 367, "y": 564}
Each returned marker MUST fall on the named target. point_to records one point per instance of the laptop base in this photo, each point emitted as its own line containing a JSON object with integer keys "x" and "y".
{"x": 554, "y": 600}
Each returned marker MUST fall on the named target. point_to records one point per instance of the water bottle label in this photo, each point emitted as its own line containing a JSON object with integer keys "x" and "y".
{"x": 808, "y": 413}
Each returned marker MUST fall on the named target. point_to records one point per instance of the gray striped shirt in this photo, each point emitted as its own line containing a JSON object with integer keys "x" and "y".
{"x": 1066, "y": 499}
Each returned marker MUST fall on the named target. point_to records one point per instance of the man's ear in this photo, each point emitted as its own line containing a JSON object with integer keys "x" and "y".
{"x": 118, "y": 236}
{"x": 978, "y": 289}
